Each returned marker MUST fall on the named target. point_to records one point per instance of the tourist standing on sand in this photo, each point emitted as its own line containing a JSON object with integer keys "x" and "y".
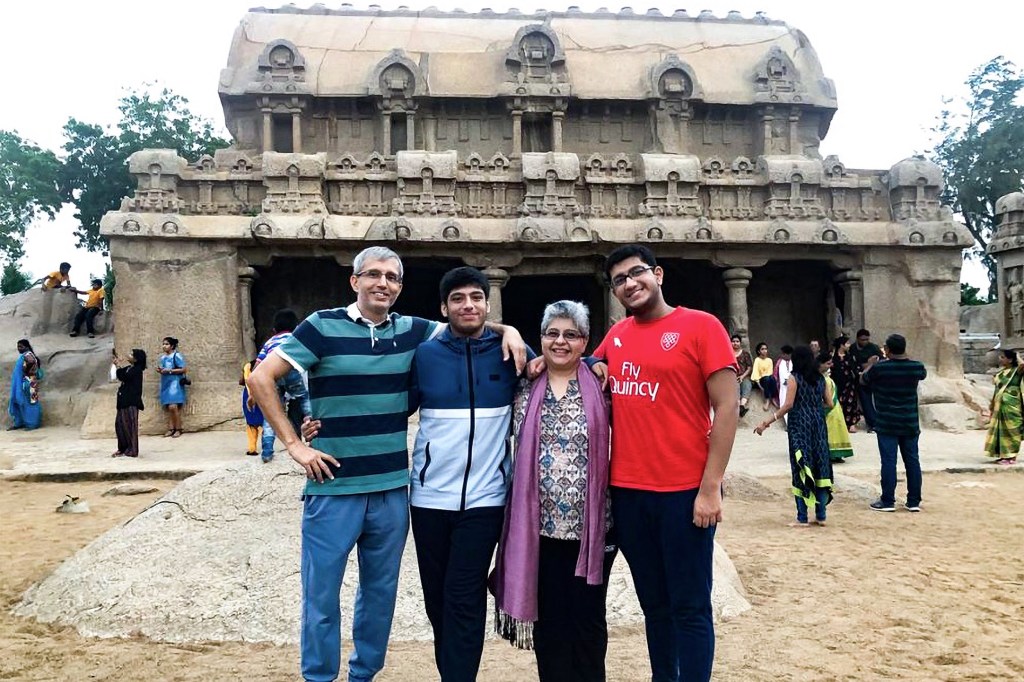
{"x": 251, "y": 412}
{"x": 129, "y": 401}
{"x": 846, "y": 374}
{"x": 359, "y": 360}
{"x": 1004, "y": 428}
{"x": 893, "y": 383}
{"x": 865, "y": 354}
{"x": 783, "y": 368}
{"x": 809, "y": 462}
{"x": 556, "y": 552}
{"x": 172, "y": 385}
{"x": 23, "y": 408}
{"x": 670, "y": 369}
{"x": 746, "y": 365}
{"x": 292, "y": 386}
{"x": 839, "y": 445}
{"x": 763, "y": 375}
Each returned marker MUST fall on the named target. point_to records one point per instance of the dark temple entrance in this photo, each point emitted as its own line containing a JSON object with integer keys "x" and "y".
{"x": 309, "y": 284}
{"x": 524, "y": 297}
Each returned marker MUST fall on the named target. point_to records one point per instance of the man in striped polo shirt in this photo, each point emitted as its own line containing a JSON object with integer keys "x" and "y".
{"x": 893, "y": 383}
{"x": 359, "y": 360}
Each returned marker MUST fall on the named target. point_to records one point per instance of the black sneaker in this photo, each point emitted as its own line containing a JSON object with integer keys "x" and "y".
{"x": 880, "y": 506}
{"x": 912, "y": 507}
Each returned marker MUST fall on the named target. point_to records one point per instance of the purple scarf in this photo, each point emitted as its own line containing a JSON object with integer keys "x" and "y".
{"x": 514, "y": 581}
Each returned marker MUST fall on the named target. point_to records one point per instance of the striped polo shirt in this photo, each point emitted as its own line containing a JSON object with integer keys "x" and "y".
{"x": 359, "y": 387}
{"x": 893, "y": 385}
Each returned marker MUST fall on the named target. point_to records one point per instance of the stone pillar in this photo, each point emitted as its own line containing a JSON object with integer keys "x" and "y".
{"x": 430, "y": 133}
{"x": 517, "y": 133}
{"x": 736, "y": 281}
{"x": 616, "y": 311}
{"x": 852, "y": 284}
{"x": 556, "y": 130}
{"x": 410, "y": 130}
{"x": 297, "y": 132}
{"x": 385, "y": 136}
{"x": 496, "y": 279}
{"x": 268, "y": 131}
{"x": 767, "y": 119}
{"x": 794, "y": 132}
{"x": 246, "y": 275}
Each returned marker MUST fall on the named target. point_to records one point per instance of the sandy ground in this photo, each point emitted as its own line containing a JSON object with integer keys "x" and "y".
{"x": 932, "y": 596}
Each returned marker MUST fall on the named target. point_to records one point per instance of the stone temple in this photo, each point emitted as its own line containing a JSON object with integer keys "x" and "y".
{"x": 529, "y": 146}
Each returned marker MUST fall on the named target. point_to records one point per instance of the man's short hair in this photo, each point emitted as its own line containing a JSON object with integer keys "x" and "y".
{"x": 462, "y": 277}
{"x": 862, "y": 332}
{"x": 64, "y": 266}
{"x": 98, "y": 281}
{"x": 376, "y": 253}
{"x": 285, "y": 320}
{"x": 626, "y": 252}
{"x": 787, "y": 349}
{"x": 896, "y": 344}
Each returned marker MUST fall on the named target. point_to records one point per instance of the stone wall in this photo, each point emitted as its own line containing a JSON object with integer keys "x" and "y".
{"x": 188, "y": 290}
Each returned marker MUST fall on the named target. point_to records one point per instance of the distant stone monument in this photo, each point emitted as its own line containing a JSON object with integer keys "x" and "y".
{"x": 530, "y": 147}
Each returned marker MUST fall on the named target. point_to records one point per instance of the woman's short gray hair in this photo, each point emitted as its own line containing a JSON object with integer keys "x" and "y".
{"x": 376, "y": 253}
{"x": 567, "y": 310}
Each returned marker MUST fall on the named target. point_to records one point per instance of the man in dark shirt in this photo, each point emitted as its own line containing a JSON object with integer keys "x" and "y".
{"x": 893, "y": 383}
{"x": 865, "y": 353}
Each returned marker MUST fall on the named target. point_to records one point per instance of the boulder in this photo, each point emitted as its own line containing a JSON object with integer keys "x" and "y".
{"x": 948, "y": 417}
{"x": 217, "y": 558}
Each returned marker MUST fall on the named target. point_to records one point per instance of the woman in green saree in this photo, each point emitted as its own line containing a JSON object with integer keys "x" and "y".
{"x": 1004, "y": 428}
{"x": 839, "y": 445}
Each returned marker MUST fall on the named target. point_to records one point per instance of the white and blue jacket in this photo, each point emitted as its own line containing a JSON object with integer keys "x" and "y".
{"x": 464, "y": 391}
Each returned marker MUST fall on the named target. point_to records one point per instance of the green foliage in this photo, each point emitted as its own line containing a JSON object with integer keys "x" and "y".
{"x": 28, "y": 190}
{"x": 95, "y": 174}
{"x": 971, "y": 295}
{"x": 981, "y": 151}
{"x": 13, "y": 279}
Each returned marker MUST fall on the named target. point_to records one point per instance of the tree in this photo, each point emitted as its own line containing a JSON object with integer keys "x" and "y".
{"x": 981, "y": 151}
{"x": 95, "y": 173}
{"x": 28, "y": 190}
{"x": 13, "y": 279}
{"x": 971, "y": 295}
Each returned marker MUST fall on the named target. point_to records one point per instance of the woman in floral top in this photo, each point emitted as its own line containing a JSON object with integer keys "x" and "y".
{"x": 556, "y": 551}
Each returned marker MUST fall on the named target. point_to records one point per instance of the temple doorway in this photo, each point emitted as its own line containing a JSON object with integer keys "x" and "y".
{"x": 524, "y": 297}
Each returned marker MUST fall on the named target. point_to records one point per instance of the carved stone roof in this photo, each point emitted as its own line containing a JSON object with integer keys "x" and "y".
{"x": 606, "y": 55}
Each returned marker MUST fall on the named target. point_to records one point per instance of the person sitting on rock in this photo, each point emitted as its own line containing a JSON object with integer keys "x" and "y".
{"x": 93, "y": 307}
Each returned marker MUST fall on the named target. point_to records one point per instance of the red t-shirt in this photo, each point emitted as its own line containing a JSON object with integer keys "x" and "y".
{"x": 661, "y": 413}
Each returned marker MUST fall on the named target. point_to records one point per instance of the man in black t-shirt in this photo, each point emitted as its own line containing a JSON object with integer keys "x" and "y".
{"x": 865, "y": 353}
{"x": 893, "y": 383}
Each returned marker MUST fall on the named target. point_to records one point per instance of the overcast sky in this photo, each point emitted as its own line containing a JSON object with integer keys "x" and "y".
{"x": 892, "y": 63}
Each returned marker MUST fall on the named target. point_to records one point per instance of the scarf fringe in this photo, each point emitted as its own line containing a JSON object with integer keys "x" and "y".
{"x": 516, "y": 632}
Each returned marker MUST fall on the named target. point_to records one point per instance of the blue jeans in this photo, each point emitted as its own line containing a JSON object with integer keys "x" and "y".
{"x": 377, "y": 525}
{"x": 908, "y": 449}
{"x": 819, "y": 509}
{"x": 291, "y": 384}
{"x": 670, "y": 560}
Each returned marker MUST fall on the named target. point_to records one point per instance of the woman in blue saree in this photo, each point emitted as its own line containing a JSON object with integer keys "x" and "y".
{"x": 23, "y": 408}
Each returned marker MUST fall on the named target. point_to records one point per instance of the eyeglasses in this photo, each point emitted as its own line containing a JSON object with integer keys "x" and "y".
{"x": 569, "y": 335}
{"x": 633, "y": 273}
{"x": 375, "y": 275}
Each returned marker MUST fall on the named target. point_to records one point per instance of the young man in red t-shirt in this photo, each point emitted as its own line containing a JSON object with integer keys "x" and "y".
{"x": 668, "y": 368}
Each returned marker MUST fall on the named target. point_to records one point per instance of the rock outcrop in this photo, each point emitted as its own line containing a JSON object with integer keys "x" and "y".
{"x": 217, "y": 558}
